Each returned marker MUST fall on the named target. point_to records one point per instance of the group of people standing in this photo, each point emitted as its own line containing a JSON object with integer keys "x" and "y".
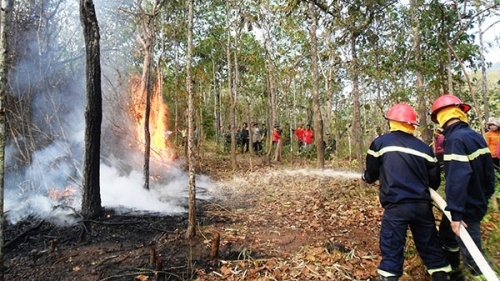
{"x": 406, "y": 168}
{"x": 243, "y": 134}
{"x": 305, "y": 137}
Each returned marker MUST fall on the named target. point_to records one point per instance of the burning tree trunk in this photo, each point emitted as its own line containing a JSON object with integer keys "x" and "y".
{"x": 148, "y": 40}
{"x": 191, "y": 230}
{"x": 91, "y": 201}
{"x": 147, "y": 43}
{"x": 4, "y": 16}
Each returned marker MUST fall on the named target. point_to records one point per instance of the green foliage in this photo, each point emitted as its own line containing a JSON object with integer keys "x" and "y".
{"x": 207, "y": 123}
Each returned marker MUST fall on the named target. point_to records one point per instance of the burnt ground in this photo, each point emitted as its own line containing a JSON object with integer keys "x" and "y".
{"x": 112, "y": 247}
{"x": 272, "y": 223}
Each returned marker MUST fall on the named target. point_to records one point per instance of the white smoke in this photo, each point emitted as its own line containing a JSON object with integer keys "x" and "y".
{"x": 50, "y": 188}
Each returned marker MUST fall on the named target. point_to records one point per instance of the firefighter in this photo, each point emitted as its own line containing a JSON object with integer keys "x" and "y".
{"x": 470, "y": 180}
{"x": 405, "y": 167}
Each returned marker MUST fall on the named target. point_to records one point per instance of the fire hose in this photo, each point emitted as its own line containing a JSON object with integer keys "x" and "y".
{"x": 478, "y": 257}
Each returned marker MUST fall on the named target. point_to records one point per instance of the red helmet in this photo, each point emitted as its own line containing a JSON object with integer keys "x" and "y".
{"x": 445, "y": 101}
{"x": 402, "y": 112}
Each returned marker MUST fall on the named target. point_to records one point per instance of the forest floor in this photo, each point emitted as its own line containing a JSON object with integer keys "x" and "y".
{"x": 276, "y": 221}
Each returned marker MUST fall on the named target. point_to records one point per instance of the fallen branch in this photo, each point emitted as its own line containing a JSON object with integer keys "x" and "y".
{"x": 22, "y": 234}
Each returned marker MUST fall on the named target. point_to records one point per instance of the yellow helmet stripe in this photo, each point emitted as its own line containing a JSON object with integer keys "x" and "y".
{"x": 404, "y": 150}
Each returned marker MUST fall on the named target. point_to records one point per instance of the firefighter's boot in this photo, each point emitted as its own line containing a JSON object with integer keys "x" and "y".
{"x": 440, "y": 276}
{"x": 454, "y": 259}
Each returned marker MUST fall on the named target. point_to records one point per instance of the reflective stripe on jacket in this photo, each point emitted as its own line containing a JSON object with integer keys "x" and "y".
{"x": 469, "y": 172}
{"x": 405, "y": 167}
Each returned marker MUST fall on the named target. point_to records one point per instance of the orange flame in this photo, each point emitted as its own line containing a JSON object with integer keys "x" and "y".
{"x": 158, "y": 120}
{"x": 56, "y": 194}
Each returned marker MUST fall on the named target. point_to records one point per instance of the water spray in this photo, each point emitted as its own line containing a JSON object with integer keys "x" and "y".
{"x": 469, "y": 243}
{"x": 319, "y": 173}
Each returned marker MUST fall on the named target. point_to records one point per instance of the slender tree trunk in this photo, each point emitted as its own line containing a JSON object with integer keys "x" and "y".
{"x": 91, "y": 201}
{"x": 318, "y": 120}
{"x": 484, "y": 80}
{"x": 449, "y": 72}
{"x": 273, "y": 118}
{"x": 191, "y": 230}
{"x": 328, "y": 122}
{"x": 146, "y": 81}
{"x": 176, "y": 93}
{"x": 422, "y": 106}
{"x": 148, "y": 27}
{"x": 232, "y": 98}
{"x": 356, "y": 116}
{"x": 5, "y": 10}
{"x": 217, "y": 114}
{"x": 484, "y": 87}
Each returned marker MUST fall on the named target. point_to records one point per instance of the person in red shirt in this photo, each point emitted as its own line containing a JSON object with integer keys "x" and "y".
{"x": 276, "y": 138}
{"x": 299, "y": 133}
{"x": 439, "y": 145}
{"x": 308, "y": 136}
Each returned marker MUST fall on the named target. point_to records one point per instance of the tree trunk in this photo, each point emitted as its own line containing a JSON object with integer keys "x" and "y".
{"x": 91, "y": 201}
{"x": 232, "y": 98}
{"x": 191, "y": 229}
{"x": 5, "y": 10}
{"x": 484, "y": 89}
{"x": 484, "y": 80}
{"x": 148, "y": 38}
{"x": 422, "y": 106}
{"x": 318, "y": 120}
{"x": 273, "y": 118}
{"x": 217, "y": 115}
{"x": 356, "y": 125}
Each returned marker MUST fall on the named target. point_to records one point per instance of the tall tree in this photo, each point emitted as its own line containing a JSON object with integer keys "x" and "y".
{"x": 191, "y": 230}
{"x": 318, "y": 119}
{"x": 91, "y": 201}
{"x": 266, "y": 22}
{"x": 147, "y": 38}
{"x": 419, "y": 83}
{"x": 230, "y": 87}
{"x": 5, "y": 8}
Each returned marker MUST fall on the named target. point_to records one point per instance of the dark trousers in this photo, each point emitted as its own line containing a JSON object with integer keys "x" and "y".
{"x": 451, "y": 241}
{"x": 496, "y": 162}
{"x": 257, "y": 147}
{"x": 244, "y": 145}
{"x": 395, "y": 222}
{"x": 300, "y": 145}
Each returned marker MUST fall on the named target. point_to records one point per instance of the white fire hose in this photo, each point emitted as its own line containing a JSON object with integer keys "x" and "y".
{"x": 469, "y": 243}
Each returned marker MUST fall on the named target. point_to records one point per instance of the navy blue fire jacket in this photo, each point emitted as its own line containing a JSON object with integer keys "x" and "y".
{"x": 405, "y": 167}
{"x": 469, "y": 173}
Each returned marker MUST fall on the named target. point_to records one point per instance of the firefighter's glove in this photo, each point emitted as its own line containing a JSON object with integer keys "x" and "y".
{"x": 363, "y": 177}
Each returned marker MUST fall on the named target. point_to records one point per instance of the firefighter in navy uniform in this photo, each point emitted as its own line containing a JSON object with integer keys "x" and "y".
{"x": 470, "y": 181}
{"x": 405, "y": 167}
